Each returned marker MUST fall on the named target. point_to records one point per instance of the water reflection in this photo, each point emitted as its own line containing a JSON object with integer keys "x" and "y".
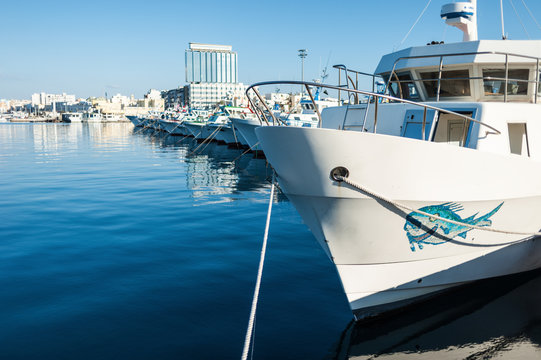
{"x": 497, "y": 317}
{"x": 214, "y": 172}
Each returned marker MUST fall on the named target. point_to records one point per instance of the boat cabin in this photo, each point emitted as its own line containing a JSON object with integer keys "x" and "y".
{"x": 478, "y": 94}
{"x": 485, "y": 70}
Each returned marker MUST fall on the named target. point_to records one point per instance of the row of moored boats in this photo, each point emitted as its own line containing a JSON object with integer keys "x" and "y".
{"x": 229, "y": 125}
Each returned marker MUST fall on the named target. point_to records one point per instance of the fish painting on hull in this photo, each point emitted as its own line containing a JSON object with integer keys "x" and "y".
{"x": 423, "y": 230}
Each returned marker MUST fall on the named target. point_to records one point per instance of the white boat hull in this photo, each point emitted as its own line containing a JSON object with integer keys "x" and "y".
{"x": 178, "y": 129}
{"x": 195, "y": 128}
{"x": 382, "y": 261}
{"x": 247, "y": 127}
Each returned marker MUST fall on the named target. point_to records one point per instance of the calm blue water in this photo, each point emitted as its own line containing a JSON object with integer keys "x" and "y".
{"x": 118, "y": 243}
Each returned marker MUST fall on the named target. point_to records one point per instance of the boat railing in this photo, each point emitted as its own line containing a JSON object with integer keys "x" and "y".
{"x": 348, "y": 74}
{"x": 265, "y": 115}
{"x": 441, "y": 57}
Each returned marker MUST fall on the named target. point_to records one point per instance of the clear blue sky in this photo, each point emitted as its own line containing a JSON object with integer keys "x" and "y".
{"x": 88, "y": 48}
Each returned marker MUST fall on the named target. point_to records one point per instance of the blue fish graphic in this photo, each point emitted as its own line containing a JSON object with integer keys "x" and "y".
{"x": 422, "y": 229}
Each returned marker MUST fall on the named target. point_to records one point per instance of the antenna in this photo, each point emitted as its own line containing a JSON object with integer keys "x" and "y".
{"x": 324, "y": 73}
{"x": 463, "y": 16}
{"x": 501, "y": 13}
{"x": 302, "y": 54}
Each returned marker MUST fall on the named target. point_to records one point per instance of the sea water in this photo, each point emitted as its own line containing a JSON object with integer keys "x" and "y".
{"x": 123, "y": 243}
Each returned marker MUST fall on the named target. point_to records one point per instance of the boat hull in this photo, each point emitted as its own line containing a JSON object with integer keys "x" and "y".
{"x": 195, "y": 129}
{"x": 178, "y": 130}
{"x": 135, "y": 120}
{"x": 383, "y": 260}
{"x": 246, "y": 127}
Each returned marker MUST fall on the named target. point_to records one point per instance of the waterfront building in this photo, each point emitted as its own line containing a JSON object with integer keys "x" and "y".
{"x": 208, "y": 63}
{"x": 207, "y": 95}
{"x": 152, "y": 101}
{"x": 42, "y": 99}
{"x": 123, "y": 105}
{"x": 5, "y": 106}
{"x": 212, "y": 77}
{"x": 175, "y": 98}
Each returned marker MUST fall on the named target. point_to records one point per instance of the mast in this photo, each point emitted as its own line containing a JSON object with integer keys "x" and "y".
{"x": 462, "y": 15}
{"x": 501, "y": 13}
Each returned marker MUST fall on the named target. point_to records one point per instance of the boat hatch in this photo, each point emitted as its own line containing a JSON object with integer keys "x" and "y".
{"x": 413, "y": 124}
{"x": 518, "y": 139}
{"x": 449, "y": 128}
{"x": 453, "y": 130}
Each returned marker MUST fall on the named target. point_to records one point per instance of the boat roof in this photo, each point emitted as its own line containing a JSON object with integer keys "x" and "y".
{"x": 480, "y": 51}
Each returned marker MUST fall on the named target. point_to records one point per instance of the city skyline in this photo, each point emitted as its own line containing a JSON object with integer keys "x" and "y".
{"x": 88, "y": 49}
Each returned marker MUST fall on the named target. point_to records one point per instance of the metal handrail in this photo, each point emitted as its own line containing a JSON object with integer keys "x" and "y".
{"x": 370, "y": 95}
{"x": 342, "y": 67}
{"x": 442, "y": 56}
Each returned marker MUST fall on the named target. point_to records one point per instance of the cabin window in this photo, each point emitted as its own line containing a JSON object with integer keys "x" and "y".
{"x": 518, "y": 139}
{"x": 494, "y": 81}
{"x": 452, "y": 129}
{"x": 539, "y": 84}
{"x": 404, "y": 88}
{"x": 452, "y": 83}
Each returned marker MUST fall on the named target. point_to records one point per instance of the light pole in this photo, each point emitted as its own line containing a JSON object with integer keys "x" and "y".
{"x": 302, "y": 55}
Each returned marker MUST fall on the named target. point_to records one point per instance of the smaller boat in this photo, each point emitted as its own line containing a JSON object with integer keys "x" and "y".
{"x": 136, "y": 120}
{"x": 92, "y": 116}
{"x": 306, "y": 118}
{"x": 195, "y": 121}
{"x": 227, "y": 133}
{"x": 112, "y": 117}
{"x": 74, "y": 117}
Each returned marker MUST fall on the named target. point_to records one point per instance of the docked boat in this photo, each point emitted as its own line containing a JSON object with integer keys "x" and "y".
{"x": 246, "y": 127}
{"x": 73, "y": 117}
{"x": 136, "y": 120}
{"x": 171, "y": 123}
{"x": 92, "y": 116}
{"x": 222, "y": 128}
{"x": 195, "y": 122}
{"x": 433, "y": 183}
{"x": 112, "y": 117}
{"x": 307, "y": 117}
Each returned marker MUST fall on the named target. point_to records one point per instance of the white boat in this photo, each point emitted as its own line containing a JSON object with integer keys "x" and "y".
{"x": 246, "y": 127}
{"x": 75, "y": 117}
{"x": 112, "y": 117}
{"x": 137, "y": 121}
{"x": 306, "y": 118}
{"x": 90, "y": 116}
{"x": 195, "y": 123}
{"x": 222, "y": 128}
{"x": 434, "y": 186}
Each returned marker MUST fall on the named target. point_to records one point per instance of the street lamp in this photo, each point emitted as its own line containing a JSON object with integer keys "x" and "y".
{"x": 302, "y": 55}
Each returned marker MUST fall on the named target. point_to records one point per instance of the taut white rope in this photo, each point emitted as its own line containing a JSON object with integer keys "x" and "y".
{"x": 250, "y": 329}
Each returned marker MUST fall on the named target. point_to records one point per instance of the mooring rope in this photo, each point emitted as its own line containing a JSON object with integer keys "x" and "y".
{"x": 147, "y": 126}
{"x": 208, "y": 139}
{"x": 246, "y": 152}
{"x": 180, "y": 123}
{"x": 434, "y": 216}
{"x": 251, "y": 321}
{"x": 234, "y": 134}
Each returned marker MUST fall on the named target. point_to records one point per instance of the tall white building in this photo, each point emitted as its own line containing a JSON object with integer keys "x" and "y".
{"x": 211, "y": 63}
